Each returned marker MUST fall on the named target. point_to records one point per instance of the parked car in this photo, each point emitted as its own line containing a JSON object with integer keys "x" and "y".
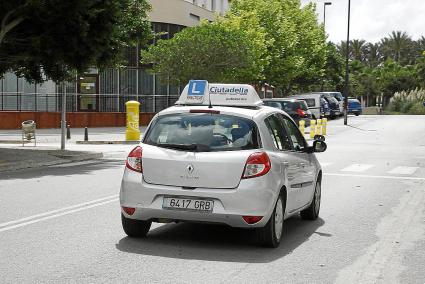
{"x": 220, "y": 156}
{"x": 325, "y": 110}
{"x": 297, "y": 109}
{"x": 354, "y": 107}
{"x": 313, "y": 102}
{"x": 333, "y": 106}
{"x": 339, "y": 97}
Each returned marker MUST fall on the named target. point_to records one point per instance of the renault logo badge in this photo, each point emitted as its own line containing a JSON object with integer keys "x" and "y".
{"x": 190, "y": 168}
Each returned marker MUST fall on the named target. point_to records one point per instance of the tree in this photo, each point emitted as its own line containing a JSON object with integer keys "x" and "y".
{"x": 373, "y": 54}
{"x": 393, "y": 77}
{"x": 54, "y": 39}
{"x": 420, "y": 70}
{"x": 399, "y": 47}
{"x": 358, "y": 49}
{"x": 333, "y": 76}
{"x": 231, "y": 49}
{"x": 296, "y": 44}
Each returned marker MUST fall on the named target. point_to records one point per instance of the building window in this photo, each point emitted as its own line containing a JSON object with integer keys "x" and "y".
{"x": 194, "y": 17}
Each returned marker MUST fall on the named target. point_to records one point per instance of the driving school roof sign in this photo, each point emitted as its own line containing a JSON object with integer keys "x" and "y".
{"x": 199, "y": 92}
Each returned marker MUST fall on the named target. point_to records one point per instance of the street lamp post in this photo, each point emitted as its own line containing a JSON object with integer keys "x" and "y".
{"x": 346, "y": 88}
{"x": 324, "y": 12}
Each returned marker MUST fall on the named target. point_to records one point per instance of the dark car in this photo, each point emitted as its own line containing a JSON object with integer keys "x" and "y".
{"x": 325, "y": 110}
{"x": 354, "y": 107}
{"x": 333, "y": 105}
{"x": 297, "y": 109}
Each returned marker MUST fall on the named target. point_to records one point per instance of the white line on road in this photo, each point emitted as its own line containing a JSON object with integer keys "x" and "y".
{"x": 369, "y": 176}
{"x": 325, "y": 164}
{"x": 60, "y": 212}
{"x": 357, "y": 168}
{"x": 403, "y": 170}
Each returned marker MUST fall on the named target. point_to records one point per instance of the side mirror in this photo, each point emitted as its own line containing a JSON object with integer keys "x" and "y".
{"x": 319, "y": 146}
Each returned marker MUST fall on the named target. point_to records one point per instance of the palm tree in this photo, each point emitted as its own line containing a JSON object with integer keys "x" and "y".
{"x": 420, "y": 45}
{"x": 342, "y": 47}
{"x": 357, "y": 49}
{"x": 398, "y": 43}
{"x": 373, "y": 54}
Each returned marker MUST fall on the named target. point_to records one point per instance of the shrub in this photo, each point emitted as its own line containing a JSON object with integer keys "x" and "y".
{"x": 410, "y": 102}
{"x": 406, "y": 106}
{"x": 417, "y": 108}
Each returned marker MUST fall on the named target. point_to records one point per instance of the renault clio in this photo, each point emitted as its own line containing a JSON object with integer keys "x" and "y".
{"x": 220, "y": 156}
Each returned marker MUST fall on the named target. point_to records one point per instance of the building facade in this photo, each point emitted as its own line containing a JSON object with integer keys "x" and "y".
{"x": 108, "y": 90}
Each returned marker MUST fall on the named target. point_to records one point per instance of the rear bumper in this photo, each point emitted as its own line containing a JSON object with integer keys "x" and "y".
{"x": 335, "y": 112}
{"x": 355, "y": 111}
{"x": 253, "y": 197}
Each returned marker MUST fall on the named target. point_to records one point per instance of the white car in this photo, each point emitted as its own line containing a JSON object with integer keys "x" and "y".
{"x": 220, "y": 156}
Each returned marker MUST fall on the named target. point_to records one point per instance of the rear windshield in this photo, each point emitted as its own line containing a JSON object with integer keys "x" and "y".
{"x": 338, "y": 96}
{"x": 201, "y": 132}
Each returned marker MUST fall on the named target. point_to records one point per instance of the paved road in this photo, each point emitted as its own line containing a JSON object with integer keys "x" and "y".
{"x": 61, "y": 224}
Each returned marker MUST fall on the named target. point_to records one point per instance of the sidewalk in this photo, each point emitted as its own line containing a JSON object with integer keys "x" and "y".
{"x": 14, "y": 156}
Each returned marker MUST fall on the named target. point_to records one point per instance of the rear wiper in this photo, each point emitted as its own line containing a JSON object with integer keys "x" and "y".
{"x": 178, "y": 146}
{"x": 189, "y": 147}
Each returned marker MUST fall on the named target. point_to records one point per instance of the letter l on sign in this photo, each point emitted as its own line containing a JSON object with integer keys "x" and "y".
{"x": 194, "y": 91}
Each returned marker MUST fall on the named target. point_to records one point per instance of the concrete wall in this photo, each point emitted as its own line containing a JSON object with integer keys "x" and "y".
{"x": 13, "y": 120}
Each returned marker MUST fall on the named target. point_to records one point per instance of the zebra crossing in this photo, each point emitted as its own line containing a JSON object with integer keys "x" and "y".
{"x": 374, "y": 169}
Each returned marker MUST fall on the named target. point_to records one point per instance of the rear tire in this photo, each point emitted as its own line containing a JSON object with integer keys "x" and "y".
{"x": 312, "y": 211}
{"x": 135, "y": 228}
{"x": 271, "y": 234}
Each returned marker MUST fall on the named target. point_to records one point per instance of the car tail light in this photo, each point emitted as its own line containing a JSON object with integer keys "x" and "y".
{"x": 252, "y": 219}
{"x": 134, "y": 160}
{"x": 300, "y": 112}
{"x": 258, "y": 164}
{"x": 129, "y": 210}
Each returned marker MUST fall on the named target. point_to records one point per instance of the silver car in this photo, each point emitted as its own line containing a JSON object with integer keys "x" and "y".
{"x": 244, "y": 166}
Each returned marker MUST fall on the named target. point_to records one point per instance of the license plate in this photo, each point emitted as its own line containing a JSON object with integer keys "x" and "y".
{"x": 188, "y": 204}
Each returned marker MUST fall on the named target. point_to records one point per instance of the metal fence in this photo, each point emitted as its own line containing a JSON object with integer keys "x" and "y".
{"x": 17, "y": 101}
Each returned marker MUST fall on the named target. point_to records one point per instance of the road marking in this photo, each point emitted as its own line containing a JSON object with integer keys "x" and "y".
{"x": 370, "y": 176}
{"x": 60, "y": 212}
{"x": 404, "y": 170}
{"x": 357, "y": 168}
{"x": 325, "y": 164}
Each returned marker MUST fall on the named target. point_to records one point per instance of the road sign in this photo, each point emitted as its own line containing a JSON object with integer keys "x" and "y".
{"x": 196, "y": 91}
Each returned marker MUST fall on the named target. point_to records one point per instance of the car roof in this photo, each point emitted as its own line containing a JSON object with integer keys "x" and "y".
{"x": 250, "y": 113}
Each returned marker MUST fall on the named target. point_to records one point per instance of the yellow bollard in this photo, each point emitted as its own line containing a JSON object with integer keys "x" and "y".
{"x": 132, "y": 132}
{"x": 319, "y": 127}
{"x": 324, "y": 125}
{"x": 302, "y": 127}
{"x": 312, "y": 128}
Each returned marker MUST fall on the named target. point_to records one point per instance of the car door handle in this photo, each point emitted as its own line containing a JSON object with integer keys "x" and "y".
{"x": 303, "y": 164}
